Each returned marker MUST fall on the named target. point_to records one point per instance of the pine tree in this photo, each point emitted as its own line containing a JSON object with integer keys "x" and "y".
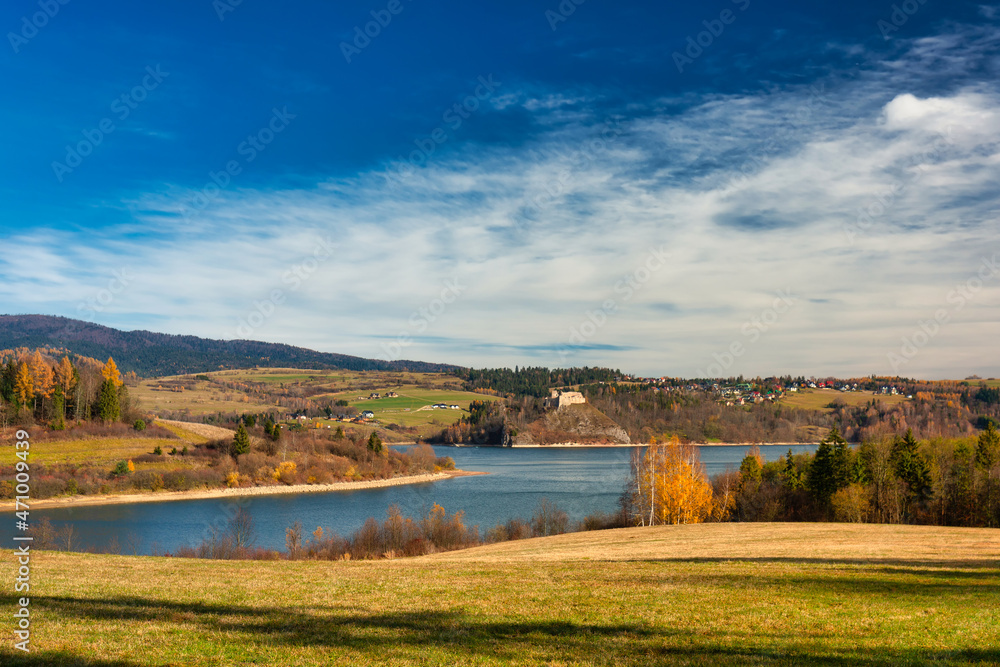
{"x": 241, "y": 442}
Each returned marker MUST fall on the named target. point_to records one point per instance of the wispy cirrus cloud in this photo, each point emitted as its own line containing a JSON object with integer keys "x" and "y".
{"x": 750, "y": 194}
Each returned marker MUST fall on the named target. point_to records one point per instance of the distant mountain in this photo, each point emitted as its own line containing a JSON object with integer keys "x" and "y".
{"x": 152, "y": 354}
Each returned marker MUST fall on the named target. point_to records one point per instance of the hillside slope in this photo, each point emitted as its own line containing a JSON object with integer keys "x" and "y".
{"x": 156, "y": 354}
{"x": 814, "y": 542}
{"x": 581, "y": 423}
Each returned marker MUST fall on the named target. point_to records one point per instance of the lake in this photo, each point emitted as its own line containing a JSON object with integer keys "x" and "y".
{"x": 580, "y": 480}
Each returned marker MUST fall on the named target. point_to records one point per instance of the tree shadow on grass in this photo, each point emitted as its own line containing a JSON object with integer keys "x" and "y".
{"x": 467, "y": 636}
{"x": 980, "y": 570}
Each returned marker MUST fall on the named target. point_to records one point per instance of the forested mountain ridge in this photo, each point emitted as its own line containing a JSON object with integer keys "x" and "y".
{"x": 151, "y": 354}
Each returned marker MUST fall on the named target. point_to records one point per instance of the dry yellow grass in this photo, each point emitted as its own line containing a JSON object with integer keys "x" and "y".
{"x": 695, "y": 595}
{"x": 754, "y": 541}
{"x": 195, "y": 433}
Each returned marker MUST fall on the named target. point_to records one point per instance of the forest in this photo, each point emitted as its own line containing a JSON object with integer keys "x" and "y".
{"x": 152, "y": 354}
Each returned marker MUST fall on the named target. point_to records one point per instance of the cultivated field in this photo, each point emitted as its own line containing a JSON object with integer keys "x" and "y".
{"x": 820, "y": 399}
{"x": 731, "y": 594}
{"x": 200, "y": 396}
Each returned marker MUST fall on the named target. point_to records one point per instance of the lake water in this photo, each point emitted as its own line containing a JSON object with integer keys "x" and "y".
{"x": 580, "y": 480}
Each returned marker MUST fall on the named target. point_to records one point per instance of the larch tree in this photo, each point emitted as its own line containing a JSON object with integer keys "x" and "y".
{"x": 24, "y": 386}
{"x": 42, "y": 377}
{"x": 111, "y": 372}
{"x": 66, "y": 376}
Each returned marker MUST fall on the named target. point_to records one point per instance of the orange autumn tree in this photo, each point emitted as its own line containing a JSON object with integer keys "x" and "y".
{"x": 669, "y": 485}
{"x": 41, "y": 375}
{"x": 111, "y": 372}
{"x": 24, "y": 385}
{"x": 66, "y": 376}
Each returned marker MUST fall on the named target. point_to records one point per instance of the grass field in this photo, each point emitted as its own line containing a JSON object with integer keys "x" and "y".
{"x": 717, "y": 594}
{"x": 820, "y": 399}
{"x": 91, "y": 451}
{"x": 204, "y": 398}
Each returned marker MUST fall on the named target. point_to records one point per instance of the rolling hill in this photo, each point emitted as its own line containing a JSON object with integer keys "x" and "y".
{"x": 155, "y": 354}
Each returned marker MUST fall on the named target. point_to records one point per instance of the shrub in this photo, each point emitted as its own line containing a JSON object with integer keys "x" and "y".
{"x": 158, "y": 451}
{"x": 121, "y": 469}
{"x": 286, "y": 472}
{"x": 850, "y": 504}
{"x": 139, "y": 425}
{"x": 177, "y": 480}
{"x": 147, "y": 480}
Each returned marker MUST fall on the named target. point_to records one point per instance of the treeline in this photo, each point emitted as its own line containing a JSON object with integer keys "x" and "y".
{"x": 486, "y": 424}
{"x": 47, "y": 387}
{"x": 530, "y": 381}
{"x": 893, "y": 480}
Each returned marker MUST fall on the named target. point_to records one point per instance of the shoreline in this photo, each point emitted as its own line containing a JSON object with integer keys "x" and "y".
{"x": 570, "y": 445}
{"x": 209, "y": 494}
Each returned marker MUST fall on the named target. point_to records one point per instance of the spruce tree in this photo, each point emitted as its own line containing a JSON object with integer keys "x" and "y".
{"x": 911, "y": 466}
{"x": 241, "y": 442}
{"x": 988, "y": 447}
{"x": 830, "y": 468}
{"x": 375, "y": 443}
{"x": 108, "y": 406}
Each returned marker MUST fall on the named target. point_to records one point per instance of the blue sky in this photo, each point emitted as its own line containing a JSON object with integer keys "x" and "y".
{"x": 680, "y": 189}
